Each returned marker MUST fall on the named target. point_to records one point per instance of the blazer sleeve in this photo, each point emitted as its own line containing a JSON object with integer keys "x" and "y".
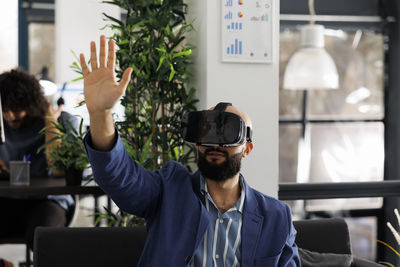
{"x": 133, "y": 188}
{"x": 290, "y": 254}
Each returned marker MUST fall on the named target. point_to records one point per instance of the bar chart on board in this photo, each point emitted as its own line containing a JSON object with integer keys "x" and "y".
{"x": 246, "y": 31}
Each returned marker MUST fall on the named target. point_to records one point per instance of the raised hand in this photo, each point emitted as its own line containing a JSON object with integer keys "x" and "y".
{"x": 101, "y": 90}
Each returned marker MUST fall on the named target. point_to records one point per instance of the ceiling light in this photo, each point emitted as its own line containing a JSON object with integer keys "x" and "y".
{"x": 311, "y": 67}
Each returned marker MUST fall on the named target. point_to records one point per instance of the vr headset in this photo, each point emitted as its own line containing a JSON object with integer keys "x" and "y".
{"x": 215, "y": 127}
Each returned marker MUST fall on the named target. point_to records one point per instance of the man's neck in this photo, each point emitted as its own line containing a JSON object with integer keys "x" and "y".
{"x": 226, "y": 193}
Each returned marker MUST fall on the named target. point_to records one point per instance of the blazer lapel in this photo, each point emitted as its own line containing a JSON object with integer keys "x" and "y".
{"x": 251, "y": 229}
{"x": 204, "y": 220}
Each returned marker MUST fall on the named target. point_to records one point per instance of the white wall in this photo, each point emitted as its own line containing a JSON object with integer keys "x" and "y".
{"x": 8, "y": 35}
{"x": 77, "y": 23}
{"x": 251, "y": 87}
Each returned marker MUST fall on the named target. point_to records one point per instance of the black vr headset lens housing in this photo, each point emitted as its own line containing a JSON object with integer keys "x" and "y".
{"x": 214, "y": 127}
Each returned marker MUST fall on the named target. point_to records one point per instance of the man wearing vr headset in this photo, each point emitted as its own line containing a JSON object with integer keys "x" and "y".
{"x": 208, "y": 218}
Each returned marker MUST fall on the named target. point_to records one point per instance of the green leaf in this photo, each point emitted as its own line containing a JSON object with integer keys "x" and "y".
{"x": 140, "y": 23}
{"x": 126, "y": 41}
{"x": 129, "y": 149}
{"x": 171, "y": 75}
{"x": 182, "y": 53}
{"x": 135, "y": 69}
{"x": 74, "y": 54}
{"x": 81, "y": 127}
{"x": 113, "y": 19}
{"x": 47, "y": 143}
{"x": 111, "y": 3}
{"x": 77, "y": 79}
{"x": 160, "y": 64}
{"x": 146, "y": 148}
{"x": 55, "y": 133}
{"x": 161, "y": 49}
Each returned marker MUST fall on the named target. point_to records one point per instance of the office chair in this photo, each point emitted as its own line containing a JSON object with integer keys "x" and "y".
{"x": 88, "y": 246}
{"x": 323, "y": 237}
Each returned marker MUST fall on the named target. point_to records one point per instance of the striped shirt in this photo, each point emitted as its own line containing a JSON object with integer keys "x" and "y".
{"x": 222, "y": 240}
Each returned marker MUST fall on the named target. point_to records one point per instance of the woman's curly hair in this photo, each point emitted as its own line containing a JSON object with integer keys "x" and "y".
{"x": 20, "y": 91}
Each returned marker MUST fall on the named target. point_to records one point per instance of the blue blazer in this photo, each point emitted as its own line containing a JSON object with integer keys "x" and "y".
{"x": 176, "y": 219}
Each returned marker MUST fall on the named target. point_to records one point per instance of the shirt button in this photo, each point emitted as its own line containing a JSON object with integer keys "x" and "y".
{"x": 221, "y": 220}
{"x": 217, "y": 256}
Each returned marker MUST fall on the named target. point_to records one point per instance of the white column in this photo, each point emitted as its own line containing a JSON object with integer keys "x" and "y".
{"x": 251, "y": 87}
{"x": 9, "y": 35}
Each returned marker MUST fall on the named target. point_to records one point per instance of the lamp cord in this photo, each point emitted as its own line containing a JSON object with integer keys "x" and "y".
{"x": 312, "y": 11}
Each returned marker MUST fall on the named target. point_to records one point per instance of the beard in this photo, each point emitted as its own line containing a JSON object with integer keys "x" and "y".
{"x": 219, "y": 171}
{"x": 20, "y": 123}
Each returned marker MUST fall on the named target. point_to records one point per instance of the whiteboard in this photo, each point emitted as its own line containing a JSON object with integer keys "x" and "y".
{"x": 246, "y": 27}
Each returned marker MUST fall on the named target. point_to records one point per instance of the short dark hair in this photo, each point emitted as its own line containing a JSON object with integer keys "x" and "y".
{"x": 20, "y": 91}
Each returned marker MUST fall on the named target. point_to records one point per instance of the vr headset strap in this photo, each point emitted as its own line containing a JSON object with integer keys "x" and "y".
{"x": 221, "y": 106}
{"x": 249, "y": 134}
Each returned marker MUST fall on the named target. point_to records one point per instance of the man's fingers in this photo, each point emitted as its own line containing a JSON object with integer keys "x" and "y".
{"x": 3, "y": 167}
{"x": 59, "y": 108}
{"x": 93, "y": 56}
{"x": 57, "y": 113}
{"x": 102, "y": 59}
{"x": 111, "y": 55}
{"x": 126, "y": 77}
{"x": 84, "y": 66}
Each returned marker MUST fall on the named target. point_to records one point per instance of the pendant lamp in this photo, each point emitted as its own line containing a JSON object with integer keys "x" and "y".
{"x": 48, "y": 87}
{"x": 311, "y": 67}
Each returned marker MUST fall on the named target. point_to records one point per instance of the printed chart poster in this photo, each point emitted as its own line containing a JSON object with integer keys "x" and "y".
{"x": 247, "y": 31}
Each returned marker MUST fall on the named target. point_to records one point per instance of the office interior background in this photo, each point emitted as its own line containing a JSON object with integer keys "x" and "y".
{"x": 351, "y": 134}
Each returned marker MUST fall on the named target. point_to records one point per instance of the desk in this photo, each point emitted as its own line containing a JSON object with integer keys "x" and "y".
{"x": 51, "y": 186}
{"x": 47, "y": 186}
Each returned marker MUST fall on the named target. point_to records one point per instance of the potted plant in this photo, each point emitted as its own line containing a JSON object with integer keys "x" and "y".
{"x": 151, "y": 40}
{"x": 70, "y": 156}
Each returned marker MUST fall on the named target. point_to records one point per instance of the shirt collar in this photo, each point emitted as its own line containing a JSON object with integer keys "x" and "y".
{"x": 239, "y": 204}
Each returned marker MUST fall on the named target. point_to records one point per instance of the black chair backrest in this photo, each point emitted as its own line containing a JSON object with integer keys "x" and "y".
{"x": 323, "y": 235}
{"x": 88, "y": 246}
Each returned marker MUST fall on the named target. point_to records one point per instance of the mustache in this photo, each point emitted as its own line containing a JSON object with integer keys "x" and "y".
{"x": 215, "y": 149}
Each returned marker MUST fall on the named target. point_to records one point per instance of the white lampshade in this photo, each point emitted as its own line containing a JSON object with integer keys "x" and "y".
{"x": 49, "y": 89}
{"x": 311, "y": 67}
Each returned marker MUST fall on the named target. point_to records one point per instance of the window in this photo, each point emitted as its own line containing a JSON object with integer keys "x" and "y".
{"x": 336, "y": 135}
{"x": 41, "y": 48}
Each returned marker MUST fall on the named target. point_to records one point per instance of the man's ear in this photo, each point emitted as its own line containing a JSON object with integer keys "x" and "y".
{"x": 248, "y": 148}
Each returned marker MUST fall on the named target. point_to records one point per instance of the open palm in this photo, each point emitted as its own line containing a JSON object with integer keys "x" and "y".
{"x": 101, "y": 90}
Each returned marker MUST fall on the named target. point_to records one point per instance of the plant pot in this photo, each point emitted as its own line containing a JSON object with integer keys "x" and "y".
{"x": 73, "y": 177}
